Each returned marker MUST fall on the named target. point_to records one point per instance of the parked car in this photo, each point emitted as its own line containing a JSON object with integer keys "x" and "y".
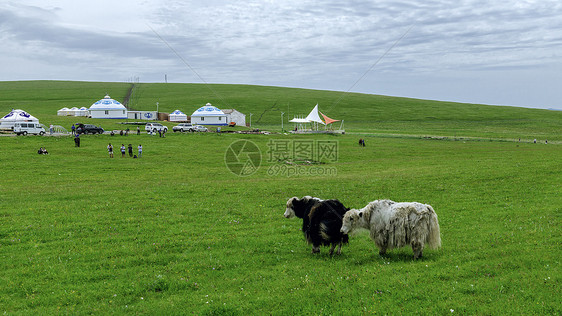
{"x": 183, "y": 127}
{"x": 88, "y": 129}
{"x": 199, "y": 128}
{"x": 28, "y": 128}
{"x": 155, "y": 127}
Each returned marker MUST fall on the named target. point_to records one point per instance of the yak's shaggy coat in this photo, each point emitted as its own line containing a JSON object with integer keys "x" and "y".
{"x": 321, "y": 221}
{"x": 395, "y": 225}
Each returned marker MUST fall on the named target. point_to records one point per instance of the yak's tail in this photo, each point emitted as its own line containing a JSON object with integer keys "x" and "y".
{"x": 434, "y": 235}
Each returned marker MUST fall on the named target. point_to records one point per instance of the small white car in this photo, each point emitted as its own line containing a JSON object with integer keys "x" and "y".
{"x": 155, "y": 127}
{"x": 199, "y": 128}
{"x": 183, "y": 127}
{"x": 28, "y": 128}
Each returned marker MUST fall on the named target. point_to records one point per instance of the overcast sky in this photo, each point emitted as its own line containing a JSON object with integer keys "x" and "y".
{"x": 503, "y": 52}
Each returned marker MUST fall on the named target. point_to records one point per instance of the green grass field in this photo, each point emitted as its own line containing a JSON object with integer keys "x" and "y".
{"x": 176, "y": 232}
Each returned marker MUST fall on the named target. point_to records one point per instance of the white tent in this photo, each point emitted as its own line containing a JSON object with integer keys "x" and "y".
{"x": 63, "y": 112}
{"x": 314, "y": 119}
{"x": 73, "y": 111}
{"x": 8, "y": 121}
{"x": 313, "y": 116}
{"x": 83, "y": 111}
{"x": 108, "y": 108}
{"x": 177, "y": 116}
{"x": 299, "y": 120}
{"x": 208, "y": 115}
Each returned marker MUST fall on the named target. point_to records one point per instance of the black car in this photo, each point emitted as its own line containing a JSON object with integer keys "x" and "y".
{"x": 89, "y": 129}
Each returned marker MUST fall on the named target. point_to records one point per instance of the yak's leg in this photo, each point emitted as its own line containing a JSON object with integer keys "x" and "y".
{"x": 332, "y": 247}
{"x": 315, "y": 249}
{"x": 339, "y": 248}
{"x": 418, "y": 249}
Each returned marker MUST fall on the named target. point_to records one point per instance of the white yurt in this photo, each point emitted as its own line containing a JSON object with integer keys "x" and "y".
{"x": 208, "y": 115}
{"x": 63, "y": 112}
{"x": 73, "y": 111}
{"x": 83, "y": 111}
{"x": 8, "y": 121}
{"x": 108, "y": 108}
{"x": 177, "y": 116}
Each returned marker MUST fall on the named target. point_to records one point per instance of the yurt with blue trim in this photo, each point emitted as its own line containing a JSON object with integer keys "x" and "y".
{"x": 177, "y": 116}
{"x": 208, "y": 115}
{"x": 108, "y": 108}
{"x": 16, "y": 116}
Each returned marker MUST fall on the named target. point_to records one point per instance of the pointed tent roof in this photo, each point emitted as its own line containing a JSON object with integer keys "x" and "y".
{"x": 328, "y": 120}
{"x": 314, "y": 117}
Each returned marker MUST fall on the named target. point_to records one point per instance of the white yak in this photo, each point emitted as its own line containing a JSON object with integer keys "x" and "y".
{"x": 395, "y": 225}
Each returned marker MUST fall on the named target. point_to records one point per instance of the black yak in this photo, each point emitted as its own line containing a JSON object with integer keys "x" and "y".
{"x": 321, "y": 221}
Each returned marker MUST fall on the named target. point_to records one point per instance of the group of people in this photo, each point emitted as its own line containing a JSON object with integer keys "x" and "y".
{"x": 361, "y": 142}
{"x": 124, "y": 150}
{"x": 161, "y": 133}
{"x": 42, "y": 151}
{"x": 126, "y": 132}
{"x": 535, "y": 141}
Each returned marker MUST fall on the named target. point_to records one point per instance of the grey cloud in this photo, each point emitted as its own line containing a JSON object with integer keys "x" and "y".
{"x": 306, "y": 43}
{"x": 43, "y": 33}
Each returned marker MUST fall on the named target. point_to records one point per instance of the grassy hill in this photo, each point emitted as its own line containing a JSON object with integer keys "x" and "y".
{"x": 362, "y": 113}
{"x": 176, "y": 232}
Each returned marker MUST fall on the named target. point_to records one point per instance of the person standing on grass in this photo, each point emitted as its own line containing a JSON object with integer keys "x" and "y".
{"x": 73, "y": 128}
{"x": 122, "y": 150}
{"x": 138, "y": 130}
{"x": 140, "y": 150}
{"x": 130, "y": 150}
{"x": 110, "y": 150}
{"x": 361, "y": 142}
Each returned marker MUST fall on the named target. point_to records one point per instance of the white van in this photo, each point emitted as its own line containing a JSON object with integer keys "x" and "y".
{"x": 21, "y": 128}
